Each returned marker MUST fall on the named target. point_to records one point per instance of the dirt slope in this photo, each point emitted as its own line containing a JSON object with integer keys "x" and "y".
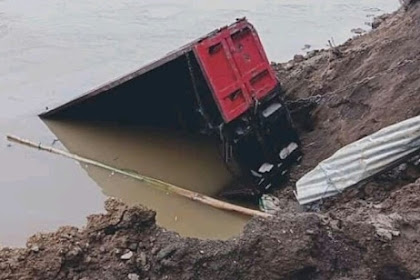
{"x": 302, "y": 246}
{"x": 368, "y": 233}
{"x": 365, "y": 84}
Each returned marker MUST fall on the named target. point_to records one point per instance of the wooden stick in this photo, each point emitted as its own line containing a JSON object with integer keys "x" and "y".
{"x": 164, "y": 186}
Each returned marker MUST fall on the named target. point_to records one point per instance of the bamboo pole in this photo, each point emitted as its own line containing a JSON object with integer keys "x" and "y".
{"x": 164, "y": 186}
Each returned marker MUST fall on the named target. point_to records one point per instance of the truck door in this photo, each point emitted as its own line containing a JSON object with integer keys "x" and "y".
{"x": 236, "y": 68}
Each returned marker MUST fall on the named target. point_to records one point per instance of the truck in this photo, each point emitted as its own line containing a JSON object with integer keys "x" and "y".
{"x": 220, "y": 85}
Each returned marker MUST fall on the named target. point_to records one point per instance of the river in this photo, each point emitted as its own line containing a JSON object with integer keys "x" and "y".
{"x": 54, "y": 50}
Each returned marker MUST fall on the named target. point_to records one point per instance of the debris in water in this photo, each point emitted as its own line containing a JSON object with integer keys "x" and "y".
{"x": 269, "y": 204}
{"x": 158, "y": 184}
{"x": 306, "y": 47}
{"x": 358, "y": 31}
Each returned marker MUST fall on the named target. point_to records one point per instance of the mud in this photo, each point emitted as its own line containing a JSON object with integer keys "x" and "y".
{"x": 126, "y": 241}
{"x": 370, "y": 232}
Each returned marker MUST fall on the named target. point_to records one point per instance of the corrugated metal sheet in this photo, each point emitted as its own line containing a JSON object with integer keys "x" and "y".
{"x": 360, "y": 160}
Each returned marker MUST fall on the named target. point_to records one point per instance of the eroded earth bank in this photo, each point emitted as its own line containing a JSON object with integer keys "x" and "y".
{"x": 369, "y": 232}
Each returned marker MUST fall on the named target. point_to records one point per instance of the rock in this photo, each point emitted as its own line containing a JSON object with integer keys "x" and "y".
{"x": 311, "y": 54}
{"x": 133, "y": 276}
{"x": 142, "y": 259}
{"x": 21, "y": 258}
{"x": 386, "y": 233}
{"x": 132, "y": 246}
{"x": 74, "y": 253}
{"x": 127, "y": 256}
{"x": 335, "y": 224}
{"x": 35, "y": 248}
{"x": 358, "y": 31}
{"x": 288, "y": 66}
{"x": 377, "y": 22}
{"x": 402, "y": 167}
{"x": 416, "y": 160}
{"x": 298, "y": 58}
{"x": 310, "y": 232}
{"x": 378, "y": 206}
{"x": 385, "y": 225}
{"x": 169, "y": 263}
{"x": 166, "y": 252}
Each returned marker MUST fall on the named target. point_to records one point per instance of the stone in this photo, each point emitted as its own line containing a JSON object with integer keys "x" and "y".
{"x": 377, "y": 21}
{"x": 358, "y": 31}
{"x": 298, "y": 58}
{"x": 133, "y": 276}
{"x": 74, "y": 253}
{"x": 127, "y": 256}
{"x": 169, "y": 263}
{"x": 166, "y": 252}
{"x": 311, "y": 54}
{"x": 132, "y": 246}
{"x": 310, "y": 232}
{"x": 35, "y": 248}
{"x": 402, "y": 167}
{"x": 21, "y": 258}
{"x": 142, "y": 260}
{"x": 386, "y": 233}
{"x": 289, "y": 66}
{"x": 385, "y": 225}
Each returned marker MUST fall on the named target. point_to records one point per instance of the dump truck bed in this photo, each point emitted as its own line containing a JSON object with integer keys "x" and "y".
{"x": 231, "y": 59}
{"x": 220, "y": 85}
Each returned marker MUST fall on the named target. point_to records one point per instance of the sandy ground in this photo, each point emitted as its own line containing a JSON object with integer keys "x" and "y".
{"x": 369, "y": 232}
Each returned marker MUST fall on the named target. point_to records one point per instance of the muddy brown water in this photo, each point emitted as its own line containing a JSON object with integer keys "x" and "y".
{"x": 159, "y": 154}
{"x": 52, "y": 51}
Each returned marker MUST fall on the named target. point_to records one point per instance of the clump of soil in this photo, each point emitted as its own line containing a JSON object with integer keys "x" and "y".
{"x": 125, "y": 243}
{"x": 372, "y": 232}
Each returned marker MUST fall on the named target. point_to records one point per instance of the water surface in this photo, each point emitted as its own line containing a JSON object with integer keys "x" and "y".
{"x": 54, "y": 50}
